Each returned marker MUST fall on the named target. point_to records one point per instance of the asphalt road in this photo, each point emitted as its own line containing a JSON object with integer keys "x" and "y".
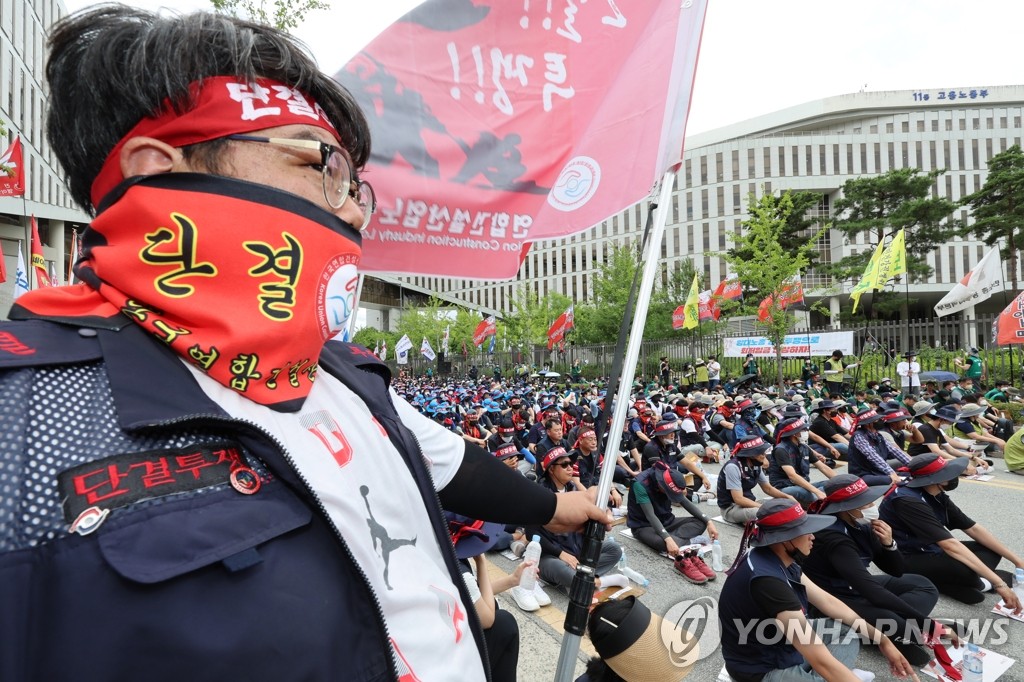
{"x": 997, "y": 504}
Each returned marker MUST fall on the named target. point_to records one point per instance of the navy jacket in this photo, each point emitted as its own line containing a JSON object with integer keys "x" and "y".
{"x": 202, "y": 584}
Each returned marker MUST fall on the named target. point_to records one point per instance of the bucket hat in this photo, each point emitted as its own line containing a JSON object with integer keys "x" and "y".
{"x": 846, "y": 492}
{"x": 930, "y": 468}
{"x": 779, "y": 520}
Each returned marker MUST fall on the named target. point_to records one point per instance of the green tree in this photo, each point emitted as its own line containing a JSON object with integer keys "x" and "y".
{"x": 799, "y": 225}
{"x": 532, "y": 316}
{"x": 884, "y": 204}
{"x": 772, "y": 267}
{"x": 598, "y": 321}
{"x": 282, "y": 14}
{"x": 998, "y": 207}
{"x": 425, "y": 321}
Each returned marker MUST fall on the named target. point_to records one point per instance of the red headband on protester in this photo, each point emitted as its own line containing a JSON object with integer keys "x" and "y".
{"x": 746, "y": 445}
{"x": 553, "y": 454}
{"x": 666, "y": 475}
{"x": 222, "y": 105}
{"x": 583, "y": 434}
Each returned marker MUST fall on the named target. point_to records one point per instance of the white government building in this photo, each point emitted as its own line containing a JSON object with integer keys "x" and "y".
{"x": 815, "y": 147}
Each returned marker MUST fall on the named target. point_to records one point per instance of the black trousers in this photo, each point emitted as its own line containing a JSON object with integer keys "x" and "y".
{"x": 953, "y": 578}
{"x": 681, "y": 529}
{"x": 916, "y": 590}
{"x": 502, "y": 640}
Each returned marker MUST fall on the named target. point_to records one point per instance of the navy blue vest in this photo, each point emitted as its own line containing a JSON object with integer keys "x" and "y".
{"x": 737, "y": 606}
{"x": 903, "y": 533}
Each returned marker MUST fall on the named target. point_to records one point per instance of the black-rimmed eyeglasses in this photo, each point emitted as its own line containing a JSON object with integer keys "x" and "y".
{"x": 337, "y": 173}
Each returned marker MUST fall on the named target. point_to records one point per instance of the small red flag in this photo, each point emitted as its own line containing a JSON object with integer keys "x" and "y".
{"x": 12, "y": 170}
{"x": 559, "y": 328}
{"x": 38, "y": 262}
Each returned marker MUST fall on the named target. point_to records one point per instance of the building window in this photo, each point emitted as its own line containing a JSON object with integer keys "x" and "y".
{"x": 719, "y": 167}
{"x": 703, "y": 203}
{"x": 704, "y": 170}
{"x": 920, "y": 126}
{"x": 735, "y": 170}
{"x": 767, "y": 159}
{"x": 782, "y": 161}
{"x": 905, "y": 126}
{"x": 835, "y": 159}
{"x": 888, "y": 127}
{"x": 751, "y": 166}
{"x": 974, "y": 153}
{"x": 736, "y": 203}
{"x": 720, "y": 203}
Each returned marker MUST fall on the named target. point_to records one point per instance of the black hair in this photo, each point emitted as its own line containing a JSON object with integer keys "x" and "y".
{"x": 112, "y": 65}
{"x": 604, "y": 620}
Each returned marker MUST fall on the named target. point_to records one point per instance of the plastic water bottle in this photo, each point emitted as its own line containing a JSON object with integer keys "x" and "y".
{"x": 972, "y": 664}
{"x": 1018, "y": 583}
{"x": 635, "y": 576}
{"x": 528, "y": 581}
{"x": 716, "y": 555}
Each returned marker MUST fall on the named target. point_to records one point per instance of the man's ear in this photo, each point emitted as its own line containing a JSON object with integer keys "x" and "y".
{"x": 149, "y": 156}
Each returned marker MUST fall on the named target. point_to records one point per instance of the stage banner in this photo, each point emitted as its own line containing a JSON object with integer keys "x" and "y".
{"x": 497, "y": 124}
{"x": 794, "y": 346}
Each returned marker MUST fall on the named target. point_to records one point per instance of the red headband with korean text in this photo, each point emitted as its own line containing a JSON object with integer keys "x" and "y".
{"x": 221, "y": 106}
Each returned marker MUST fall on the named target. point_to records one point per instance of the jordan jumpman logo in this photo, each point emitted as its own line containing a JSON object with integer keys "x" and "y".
{"x": 379, "y": 534}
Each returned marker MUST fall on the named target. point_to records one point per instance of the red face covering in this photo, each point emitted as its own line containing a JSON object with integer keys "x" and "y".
{"x": 243, "y": 281}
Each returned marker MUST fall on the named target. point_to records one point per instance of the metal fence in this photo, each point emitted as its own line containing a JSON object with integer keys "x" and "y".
{"x": 879, "y": 345}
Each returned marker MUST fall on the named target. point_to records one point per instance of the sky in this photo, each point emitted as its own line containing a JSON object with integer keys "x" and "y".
{"x": 760, "y": 56}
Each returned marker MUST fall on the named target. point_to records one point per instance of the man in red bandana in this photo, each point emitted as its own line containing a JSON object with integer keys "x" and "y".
{"x": 190, "y": 456}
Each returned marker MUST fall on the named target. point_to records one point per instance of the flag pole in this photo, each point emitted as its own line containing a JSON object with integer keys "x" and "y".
{"x": 1006, "y": 303}
{"x": 355, "y": 308}
{"x": 582, "y": 590}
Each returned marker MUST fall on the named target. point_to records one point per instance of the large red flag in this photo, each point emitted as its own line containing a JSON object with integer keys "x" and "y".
{"x": 12, "y": 170}
{"x": 496, "y": 124}
{"x": 1008, "y": 328}
{"x": 559, "y": 328}
{"x": 487, "y": 327}
{"x": 707, "y": 307}
{"x": 38, "y": 262}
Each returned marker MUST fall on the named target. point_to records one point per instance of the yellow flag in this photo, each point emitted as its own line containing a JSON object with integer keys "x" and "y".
{"x": 867, "y": 280}
{"x": 898, "y": 260}
{"x": 691, "y": 309}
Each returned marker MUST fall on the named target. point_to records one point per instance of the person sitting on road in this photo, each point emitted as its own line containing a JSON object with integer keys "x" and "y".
{"x": 896, "y": 602}
{"x": 896, "y": 426}
{"x": 472, "y": 431}
{"x": 589, "y": 462}
{"x": 553, "y": 437}
{"x": 738, "y": 477}
{"x": 931, "y": 424}
{"x": 560, "y": 552}
{"x": 831, "y": 437}
{"x": 746, "y": 424}
{"x": 693, "y": 435}
{"x": 789, "y": 466}
{"x": 471, "y": 539}
{"x": 871, "y": 456}
{"x": 764, "y": 606}
{"x": 723, "y": 423}
{"x": 664, "y": 447}
{"x": 922, "y": 515}
{"x": 967, "y": 426}
{"x": 649, "y": 516}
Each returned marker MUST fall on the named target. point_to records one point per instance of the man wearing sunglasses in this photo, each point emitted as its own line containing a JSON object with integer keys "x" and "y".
{"x": 188, "y": 458}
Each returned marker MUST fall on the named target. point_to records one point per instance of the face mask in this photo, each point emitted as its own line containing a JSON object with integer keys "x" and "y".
{"x": 804, "y": 437}
{"x": 797, "y": 556}
{"x": 152, "y": 252}
{"x": 506, "y": 439}
{"x": 951, "y": 484}
{"x": 757, "y": 414}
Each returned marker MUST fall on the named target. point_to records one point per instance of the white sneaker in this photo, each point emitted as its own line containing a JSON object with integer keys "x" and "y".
{"x": 541, "y": 596}
{"x": 524, "y": 599}
{"x": 986, "y": 586}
